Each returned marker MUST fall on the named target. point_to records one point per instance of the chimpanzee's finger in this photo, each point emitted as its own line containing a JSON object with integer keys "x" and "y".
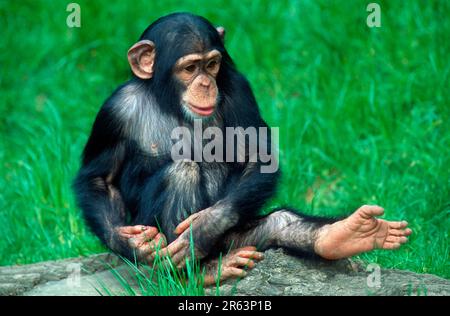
{"x": 144, "y": 250}
{"x": 148, "y": 234}
{"x": 251, "y": 255}
{"x": 179, "y": 259}
{"x": 158, "y": 242}
{"x": 186, "y": 223}
{"x": 140, "y": 239}
{"x": 173, "y": 248}
{"x": 126, "y": 236}
{"x": 133, "y": 230}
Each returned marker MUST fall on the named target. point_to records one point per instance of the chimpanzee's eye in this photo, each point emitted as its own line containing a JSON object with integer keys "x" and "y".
{"x": 190, "y": 68}
{"x": 212, "y": 64}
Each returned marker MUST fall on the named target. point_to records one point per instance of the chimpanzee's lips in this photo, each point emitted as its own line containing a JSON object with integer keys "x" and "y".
{"x": 202, "y": 110}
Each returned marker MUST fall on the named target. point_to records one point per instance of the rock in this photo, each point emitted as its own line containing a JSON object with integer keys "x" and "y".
{"x": 281, "y": 274}
{"x": 89, "y": 285}
{"x": 278, "y": 274}
{"x": 15, "y": 280}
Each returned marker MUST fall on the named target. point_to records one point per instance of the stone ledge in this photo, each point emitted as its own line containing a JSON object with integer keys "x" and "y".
{"x": 278, "y": 274}
{"x": 15, "y": 280}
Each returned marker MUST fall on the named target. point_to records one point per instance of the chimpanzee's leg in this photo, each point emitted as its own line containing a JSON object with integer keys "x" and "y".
{"x": 329, "y": 238}
{"x": 240, "y": 247}
{"x": 284, "y": 228}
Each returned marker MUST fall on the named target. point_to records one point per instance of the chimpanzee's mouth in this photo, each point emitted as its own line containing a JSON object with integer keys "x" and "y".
{"x": 202, "y": 110}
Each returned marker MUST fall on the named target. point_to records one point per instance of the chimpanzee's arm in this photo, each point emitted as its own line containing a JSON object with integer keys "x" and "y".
{"x": 250, "y": 190}
{"x": 98, "y": 198}
{"x": 248, "y": 194}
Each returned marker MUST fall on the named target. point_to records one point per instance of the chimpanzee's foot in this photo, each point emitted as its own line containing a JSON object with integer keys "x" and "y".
{"x": 360, "y": 232}
{"x": 233, "y": 265}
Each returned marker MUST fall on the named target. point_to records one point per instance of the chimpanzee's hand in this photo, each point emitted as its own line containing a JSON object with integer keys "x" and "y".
{"x": 206, "y": 229}
{"x": 145, "y": 240}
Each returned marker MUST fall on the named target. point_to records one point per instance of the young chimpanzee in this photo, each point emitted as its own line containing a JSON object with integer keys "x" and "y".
{"x": 134, "y": 194}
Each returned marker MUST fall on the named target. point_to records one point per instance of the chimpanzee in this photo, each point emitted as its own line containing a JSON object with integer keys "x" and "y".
{"x": 133, "y": 194}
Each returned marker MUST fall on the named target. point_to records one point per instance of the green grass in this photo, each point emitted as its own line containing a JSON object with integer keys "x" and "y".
{"x": 160, "y": 279}
{"x": 363, "y": 113}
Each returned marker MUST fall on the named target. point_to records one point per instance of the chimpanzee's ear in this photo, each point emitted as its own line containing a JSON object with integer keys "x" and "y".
{"x": 221, "y": 31}
{"x": 141, "y": 57}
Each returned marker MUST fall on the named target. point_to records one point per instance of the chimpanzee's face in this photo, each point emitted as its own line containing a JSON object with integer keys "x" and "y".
{"x": 197, "y": 73}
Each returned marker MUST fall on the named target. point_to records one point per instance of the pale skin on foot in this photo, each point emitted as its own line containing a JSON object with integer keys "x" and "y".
{"x": 233, "y": 265}
{"x": 358, "y": 233}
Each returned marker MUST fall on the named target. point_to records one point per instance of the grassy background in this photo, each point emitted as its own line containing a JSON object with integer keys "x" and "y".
{"x": 363, "y": 113}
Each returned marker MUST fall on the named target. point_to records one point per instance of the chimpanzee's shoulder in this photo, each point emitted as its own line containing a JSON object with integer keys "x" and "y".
{"x": 138, "y": 116}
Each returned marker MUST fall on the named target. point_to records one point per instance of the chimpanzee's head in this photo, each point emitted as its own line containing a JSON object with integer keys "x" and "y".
{"x": 182, "y": 55}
